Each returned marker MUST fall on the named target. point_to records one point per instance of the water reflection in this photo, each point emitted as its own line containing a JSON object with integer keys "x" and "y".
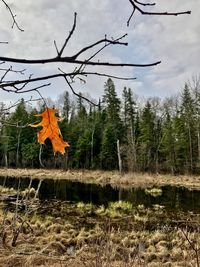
{"x": 172, "y": 197}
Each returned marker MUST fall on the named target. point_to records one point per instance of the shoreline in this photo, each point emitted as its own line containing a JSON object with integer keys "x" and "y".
{"x": 112, "y": 178}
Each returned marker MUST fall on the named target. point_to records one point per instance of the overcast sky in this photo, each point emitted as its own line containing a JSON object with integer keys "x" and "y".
{"x": 173, "y": 40}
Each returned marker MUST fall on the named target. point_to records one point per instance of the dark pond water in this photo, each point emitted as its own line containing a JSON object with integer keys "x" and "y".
{"x": 173, "y": 198}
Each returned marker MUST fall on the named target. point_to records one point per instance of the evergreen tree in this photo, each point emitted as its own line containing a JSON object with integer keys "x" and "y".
{"x": 168, "y": 144}
{"x": 4, "y": 139}
{"x": 66, "y": 106}
{"x": 129, "y": 120}
{"x": 147, "y": 138}
{"x": 18, "y": 134}
{"x": 30, "y": 147}
{"x": 186, "y": 134}
{"x": 113, "y": 129}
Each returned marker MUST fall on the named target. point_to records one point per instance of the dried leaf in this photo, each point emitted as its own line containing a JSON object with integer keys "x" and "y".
{"x": 51, "y": 130}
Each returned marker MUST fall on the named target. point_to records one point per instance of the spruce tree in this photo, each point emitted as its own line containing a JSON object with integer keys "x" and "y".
{"x": 187, "y": 139}
{"x": 129, "y": 120}
{"x": 113, "y": 129}
{"x": 147, "y": 138}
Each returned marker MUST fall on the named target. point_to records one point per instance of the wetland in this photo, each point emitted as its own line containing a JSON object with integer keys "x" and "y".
{"x": 60, "y": 222}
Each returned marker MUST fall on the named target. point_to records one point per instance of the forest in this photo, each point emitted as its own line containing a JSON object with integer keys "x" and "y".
{"x": 155, "y": 135}
{"x": 117, "y": 183}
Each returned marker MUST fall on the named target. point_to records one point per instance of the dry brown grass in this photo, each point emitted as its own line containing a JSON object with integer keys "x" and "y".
{"x": 99, "y": 240}
{"x": 117, "y": 236}
{"x": 112, "y": 177}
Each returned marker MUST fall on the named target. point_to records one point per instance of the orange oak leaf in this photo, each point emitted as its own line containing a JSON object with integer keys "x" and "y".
{"x": 51, "y": 130}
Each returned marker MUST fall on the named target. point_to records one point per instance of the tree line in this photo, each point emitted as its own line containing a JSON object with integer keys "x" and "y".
{"x": 154, "y": 135}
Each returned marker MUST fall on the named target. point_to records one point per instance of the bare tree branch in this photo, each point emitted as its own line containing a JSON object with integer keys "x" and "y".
{"x": 8, "y": 70}
{"x": 73, "y": 59}
{"x": 5, "y": 85}
{"x": 144, "y": 4}
{"x": 135, "y": 4}
{"x": 69, "y": 36}
{"x": 105, "y": 40}
{"x": 72, "y": 89}
{"x": 17, "y": 103}
{"x": 83, "y": 66}
{"x": 15, "y": 23}
{"x": 23, "y": 85}
{"x": 193, "y": 245}
{"x": 15, "y": 125}
{"x": 70, "y": 60}
{"x": 18, "y": 91}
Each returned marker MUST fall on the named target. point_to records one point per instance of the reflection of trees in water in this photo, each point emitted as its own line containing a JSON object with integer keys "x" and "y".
{"x": 173, "y": 198}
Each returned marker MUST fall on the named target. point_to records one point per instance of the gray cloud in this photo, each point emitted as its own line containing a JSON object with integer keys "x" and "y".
{"x": 174, "y": 40}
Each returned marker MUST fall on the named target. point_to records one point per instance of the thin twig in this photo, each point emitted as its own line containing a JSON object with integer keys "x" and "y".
{"x": 69, "y": 36}
{"x": 105, "y": 40}
{"x": 135, "y": 4}
{"x": 14, "y": 71}
{"x": 102, "y": 48}
{"x": 195, "y": 249}
{"x": 13, "y": 125}
{"x": 144, "y": 4}
{"x": 72, "y": 89}
{"x": 17, "y": 103}
{"x": 11, "y": 86}
{"x": 15, "y": 23}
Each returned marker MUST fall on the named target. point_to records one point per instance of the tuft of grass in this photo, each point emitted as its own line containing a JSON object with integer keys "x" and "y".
{"x": 156, "y": 237}
{"x": 85, "y": 206}
{"x": 118, "y": 209}
{"x": 155, "y": 192}
{"x": 121, "y": 206}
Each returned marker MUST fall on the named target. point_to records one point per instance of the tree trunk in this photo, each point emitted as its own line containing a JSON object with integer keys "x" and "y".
{"x": 18, "y": 144}
{"x": 198, "y": 143}
{"x": 133, "y": 148}
{"x": 119, "y": 157}
{"x": 190, "y": 144}
{"x": 92, "y": 147}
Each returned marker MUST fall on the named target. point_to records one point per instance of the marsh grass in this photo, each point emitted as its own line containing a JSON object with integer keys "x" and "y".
{"x": 155, "y": 192}
{"x": 60, "y": 233}
{"x": 117, "y": 235}
{"x": 143, "y": 180}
